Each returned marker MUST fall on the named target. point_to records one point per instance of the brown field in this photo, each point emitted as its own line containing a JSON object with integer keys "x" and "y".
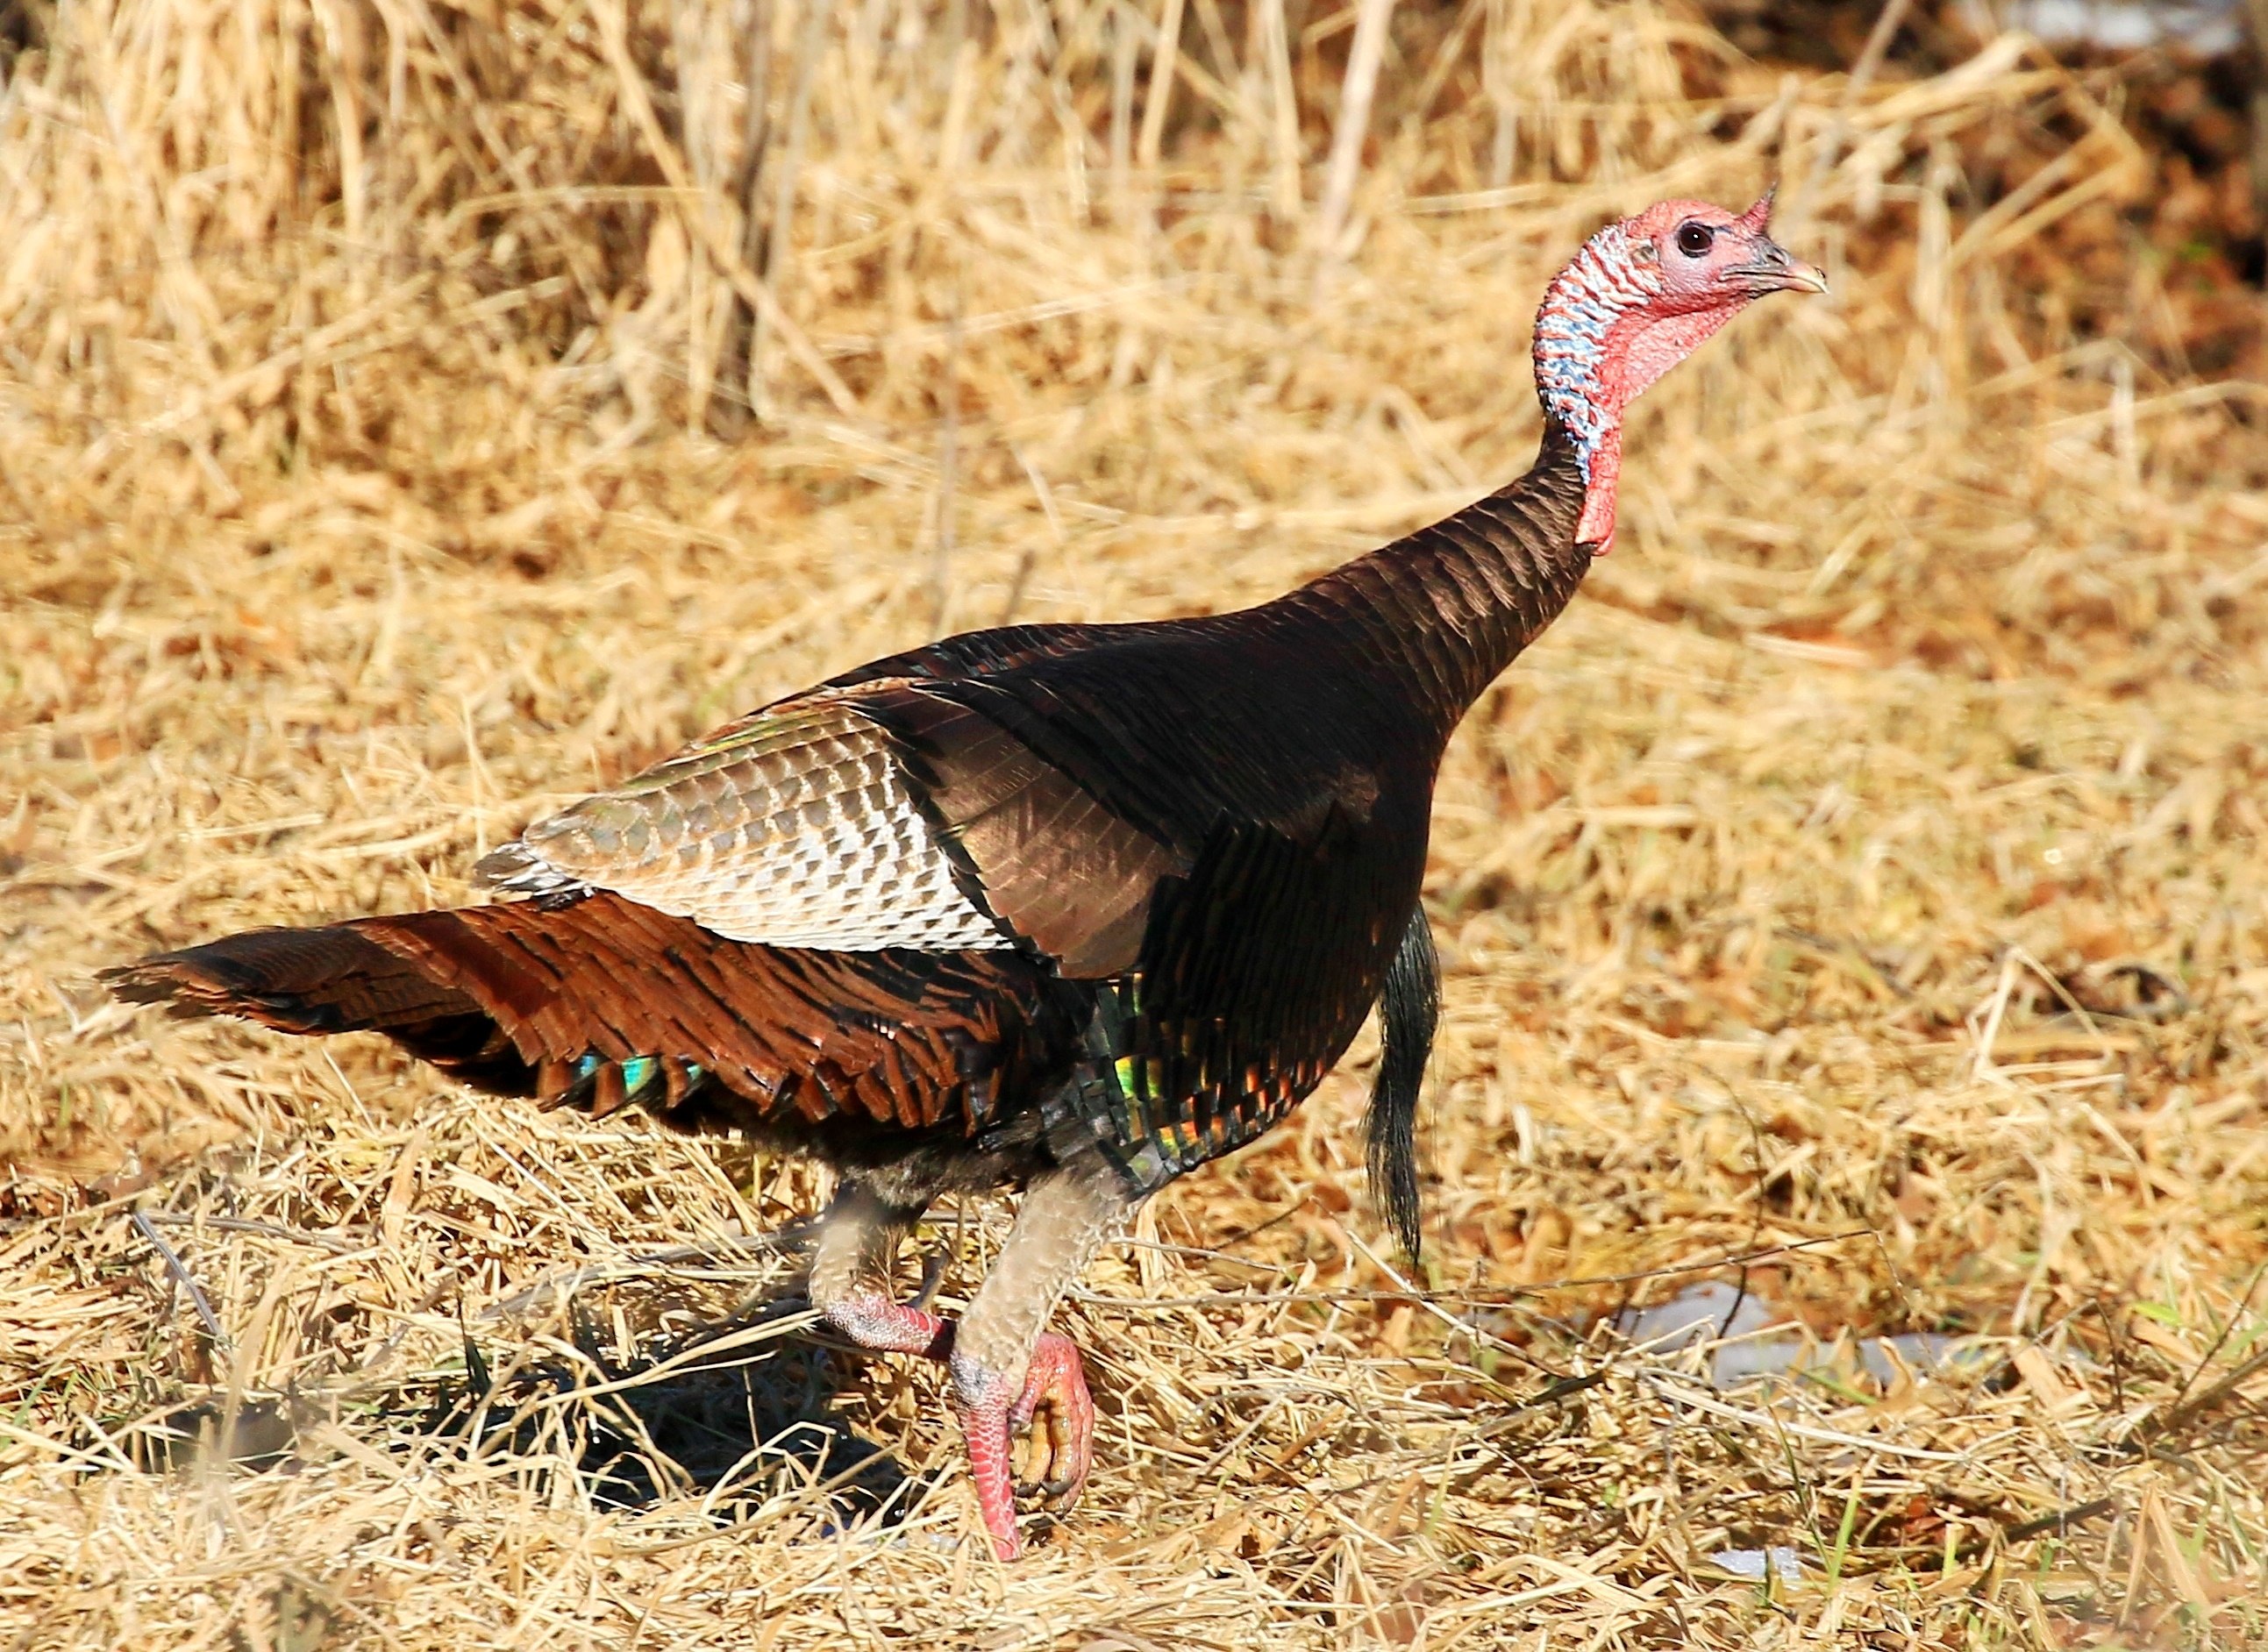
{"x": 1857, "y": 897}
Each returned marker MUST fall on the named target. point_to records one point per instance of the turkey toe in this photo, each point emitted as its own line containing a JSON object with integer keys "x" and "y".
{"x": 1059, "y": 1412}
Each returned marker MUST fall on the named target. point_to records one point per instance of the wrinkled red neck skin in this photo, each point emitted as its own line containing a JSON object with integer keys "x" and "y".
{"x": 1639, "y": 349}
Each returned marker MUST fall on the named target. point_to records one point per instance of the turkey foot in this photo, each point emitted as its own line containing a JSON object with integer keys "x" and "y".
{"x": 1059, "y": 1412}
{"x": 873, "y": 1321}
{"x": 1064, "y": 1442}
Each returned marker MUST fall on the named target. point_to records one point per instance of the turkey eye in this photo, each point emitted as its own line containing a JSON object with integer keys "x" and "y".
{"x": 1693, "y": 239}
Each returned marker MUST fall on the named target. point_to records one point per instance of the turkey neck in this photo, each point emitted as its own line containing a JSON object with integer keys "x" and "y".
{"x": 1441, "y": 612}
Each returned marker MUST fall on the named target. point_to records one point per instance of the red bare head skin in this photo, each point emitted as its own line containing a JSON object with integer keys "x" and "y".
{"x": 1643, "y": 294}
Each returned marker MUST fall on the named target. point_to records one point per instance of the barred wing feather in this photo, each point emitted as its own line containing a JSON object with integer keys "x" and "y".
{"x": 858, "y": 819}
{"x": 796, "y": 826}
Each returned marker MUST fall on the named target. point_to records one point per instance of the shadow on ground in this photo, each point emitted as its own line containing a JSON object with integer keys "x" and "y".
{"x": 647, "y": 1403}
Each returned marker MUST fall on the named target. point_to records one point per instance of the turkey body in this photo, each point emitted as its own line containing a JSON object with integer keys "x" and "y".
{"x": 1186, "y": 851}
{"x": 1279, "y": 799}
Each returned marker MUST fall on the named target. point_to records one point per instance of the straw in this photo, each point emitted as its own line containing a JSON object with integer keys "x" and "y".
{"x": 1852, "y": 900}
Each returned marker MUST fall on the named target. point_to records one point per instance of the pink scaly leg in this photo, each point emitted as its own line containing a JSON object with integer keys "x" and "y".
{"x": 1009, "y": 1375}
{"x": 1055, "y": 1403}
{"x": 1053, "y": 1395}
{"x": 873, "y": 1320}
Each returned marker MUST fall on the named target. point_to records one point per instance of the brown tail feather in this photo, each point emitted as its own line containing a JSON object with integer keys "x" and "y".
{"x": 511, "y": 997}
{"x": 335, "y": 979}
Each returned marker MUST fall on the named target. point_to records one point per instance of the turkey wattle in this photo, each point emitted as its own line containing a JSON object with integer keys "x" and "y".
{"x": 1072, "y": 909}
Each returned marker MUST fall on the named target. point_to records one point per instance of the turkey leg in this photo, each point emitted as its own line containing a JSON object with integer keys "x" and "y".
{"x": 1010, "y": 1373}
{"x": 851, "y": 1268}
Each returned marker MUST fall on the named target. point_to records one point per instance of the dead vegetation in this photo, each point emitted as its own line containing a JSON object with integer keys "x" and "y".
{"x": 410, "y": 413}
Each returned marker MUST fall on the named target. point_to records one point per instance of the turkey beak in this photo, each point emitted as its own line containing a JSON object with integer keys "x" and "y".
{"x": 1773, "y": 268}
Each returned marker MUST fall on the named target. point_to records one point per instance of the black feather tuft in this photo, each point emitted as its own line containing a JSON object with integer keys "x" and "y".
{"x": 1409, "y": 1009}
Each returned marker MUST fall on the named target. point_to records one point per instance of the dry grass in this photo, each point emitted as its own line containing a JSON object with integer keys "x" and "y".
{"x": 1862, "y": 879}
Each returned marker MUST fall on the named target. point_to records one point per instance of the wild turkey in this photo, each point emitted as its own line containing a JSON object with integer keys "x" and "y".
{"x": 1068, "y": 907}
